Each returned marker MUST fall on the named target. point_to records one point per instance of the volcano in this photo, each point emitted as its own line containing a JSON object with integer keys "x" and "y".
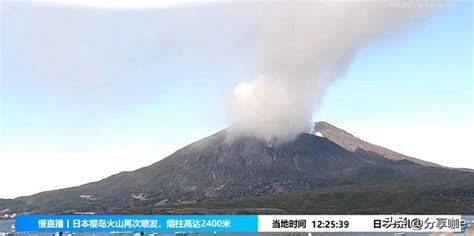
{"x": 233, "y": 173}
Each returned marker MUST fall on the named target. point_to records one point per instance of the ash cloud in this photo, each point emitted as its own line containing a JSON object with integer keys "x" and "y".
{"x": 300, "y": 49}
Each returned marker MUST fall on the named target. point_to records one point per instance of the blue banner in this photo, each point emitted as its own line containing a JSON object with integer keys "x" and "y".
{"x": 136, "y": 223}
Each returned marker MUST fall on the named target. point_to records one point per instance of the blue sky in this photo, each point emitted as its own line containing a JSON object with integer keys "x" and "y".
{"x": 424, "y": 74}
{"x": 108, "y": 90}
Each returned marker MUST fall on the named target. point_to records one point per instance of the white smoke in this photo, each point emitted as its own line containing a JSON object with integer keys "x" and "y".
{"x": 301, "y": 48}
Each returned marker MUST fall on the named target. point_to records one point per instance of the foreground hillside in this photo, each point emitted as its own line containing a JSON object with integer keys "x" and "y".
{"x": 377, "y": 199}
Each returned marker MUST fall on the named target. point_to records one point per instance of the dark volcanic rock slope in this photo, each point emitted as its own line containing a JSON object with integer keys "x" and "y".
{"x": 226, "y": 166}
{"x": 222, "y": 166}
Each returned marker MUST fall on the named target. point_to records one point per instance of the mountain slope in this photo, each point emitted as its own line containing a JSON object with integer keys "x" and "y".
{"x": 352, "y": 143}
{"x": 222, "y": 166}
{"x": 228, "y": 166}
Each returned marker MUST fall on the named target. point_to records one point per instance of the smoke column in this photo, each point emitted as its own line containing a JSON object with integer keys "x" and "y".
{"x": 301, "y": 48}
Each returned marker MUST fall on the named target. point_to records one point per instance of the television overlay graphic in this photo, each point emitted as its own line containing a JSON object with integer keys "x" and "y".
{"x": 259, "y": 118}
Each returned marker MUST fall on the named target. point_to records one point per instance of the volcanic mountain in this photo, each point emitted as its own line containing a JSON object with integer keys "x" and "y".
{"x": 233, "y": 173}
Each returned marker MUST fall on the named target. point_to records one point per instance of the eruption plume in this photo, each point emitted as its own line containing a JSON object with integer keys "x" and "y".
{"x": 301, "y": 48}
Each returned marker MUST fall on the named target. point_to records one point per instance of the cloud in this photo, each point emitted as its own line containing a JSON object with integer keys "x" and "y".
{"x": 118, "y": 4}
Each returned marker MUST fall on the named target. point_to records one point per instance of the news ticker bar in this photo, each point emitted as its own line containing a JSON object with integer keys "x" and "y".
{"x": 240, "y": 223}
